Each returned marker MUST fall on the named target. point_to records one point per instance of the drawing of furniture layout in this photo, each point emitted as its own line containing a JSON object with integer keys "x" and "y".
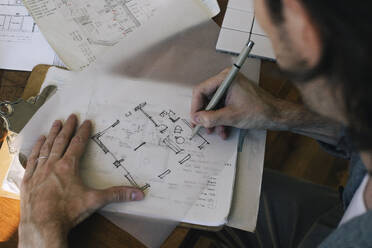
{"x": 141, "y": 132}
{"x": 14, "y": 17}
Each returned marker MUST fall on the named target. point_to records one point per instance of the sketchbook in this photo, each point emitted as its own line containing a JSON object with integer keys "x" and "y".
{"x": 239, "y": 24}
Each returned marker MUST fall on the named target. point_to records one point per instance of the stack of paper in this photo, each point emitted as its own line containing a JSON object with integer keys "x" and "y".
{"x": 22, "y": 44}
{"x": 236, "y": 30}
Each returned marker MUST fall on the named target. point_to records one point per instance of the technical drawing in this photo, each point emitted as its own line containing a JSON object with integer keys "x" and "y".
{"x": 202, "y": 145}
{"x": 106, "y": 22}
{"x": 171, "y": 115}
{"x": 140, "y": 108}
{"x": 204, "y": 140}
{"x": 138, "y": 147}
{"x": 103, "y": 42}
{"x": 178, "y": 129}
{"x": 146, "y": 186}
{"x": 172, "y": 145}
{"x": 118, "y": 163}
{"x": 14, "y": 17}
{"x": 164, "y": 174}
{"x": 185, "y": 159}
{"x": 163, "y": 128}
{"x": 180, "y": 140}
{"x": 150, "y": 143}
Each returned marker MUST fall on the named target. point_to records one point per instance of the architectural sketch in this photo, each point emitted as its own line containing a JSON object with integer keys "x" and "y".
{"x": 204, "y": 142}
{"x": 172, "y": 145}
{"x": 185, "y": 159}
{"x": 142, "y": 136}
{"x": 118, "y": 163}
{"x": 164, "y": 174}
{"x": 138, "y": 147}
{"x": 178, "y": 129}
{"x": 140, "y": 108}
{"x": 105, "y": 22}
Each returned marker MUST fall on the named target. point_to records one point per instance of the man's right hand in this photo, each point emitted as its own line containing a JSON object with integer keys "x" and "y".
{"x": 54, "y": 198}
{"x": 246, "y": 106}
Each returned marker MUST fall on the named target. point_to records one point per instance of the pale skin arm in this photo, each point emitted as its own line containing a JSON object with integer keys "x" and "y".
{"x": 53, "y": 196}
{"x": 248, "y": 106}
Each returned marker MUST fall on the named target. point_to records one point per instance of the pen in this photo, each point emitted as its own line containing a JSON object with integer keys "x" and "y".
{"x": 227, "y": 82}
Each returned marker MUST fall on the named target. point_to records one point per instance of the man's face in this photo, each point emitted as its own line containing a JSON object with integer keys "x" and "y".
{"x": 297, "y": 47}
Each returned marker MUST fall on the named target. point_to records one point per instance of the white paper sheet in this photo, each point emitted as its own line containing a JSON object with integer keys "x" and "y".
{"x": 22, "y": 46}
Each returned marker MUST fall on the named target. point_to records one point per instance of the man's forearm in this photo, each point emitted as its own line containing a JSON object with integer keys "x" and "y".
{"x": 31, "y": 236}
{"x": 298, "y": 119}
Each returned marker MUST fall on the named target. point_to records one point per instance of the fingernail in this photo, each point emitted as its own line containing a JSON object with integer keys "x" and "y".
{"x": 136, "y": 196}
{"x": 56, "y": 123}
{"x": 87, "y": 122}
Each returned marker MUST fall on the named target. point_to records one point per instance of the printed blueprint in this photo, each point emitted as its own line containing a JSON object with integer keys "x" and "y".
{"x": 22, "y": 46}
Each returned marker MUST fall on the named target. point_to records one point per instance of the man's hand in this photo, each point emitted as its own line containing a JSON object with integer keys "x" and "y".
{"x": 53, "y": 197}
{"x": 246, "y": 105}
{"x": 249, "y": 107}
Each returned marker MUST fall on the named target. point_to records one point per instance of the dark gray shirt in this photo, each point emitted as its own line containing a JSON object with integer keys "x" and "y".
{"x": 358, "y": 231}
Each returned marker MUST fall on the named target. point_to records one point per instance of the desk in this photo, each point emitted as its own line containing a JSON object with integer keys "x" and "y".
{"x": 292, "y": 154}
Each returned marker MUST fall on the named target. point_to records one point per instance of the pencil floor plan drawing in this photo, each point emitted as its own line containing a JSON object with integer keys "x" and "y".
{"x": 106, "y": 22}
{"x": 141, "y": 137}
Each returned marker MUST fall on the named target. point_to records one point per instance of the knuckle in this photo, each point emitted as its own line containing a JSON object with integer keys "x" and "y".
{"x": 77, "y": 140}
{"x": 208, "y": 123}
{"x": 94, "y": 197}
{"x": 61, "y": 138}
{"x": 46, "y": 147}
{"x": 31, "y": 161}
{"x": 119, "y": 195}
{"x": 65, "y": 164}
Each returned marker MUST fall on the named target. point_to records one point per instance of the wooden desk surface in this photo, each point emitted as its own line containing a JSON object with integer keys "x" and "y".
{"x": 292, "y": 154}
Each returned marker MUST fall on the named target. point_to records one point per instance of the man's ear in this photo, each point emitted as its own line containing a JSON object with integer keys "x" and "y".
{"x": 303, "y": 31}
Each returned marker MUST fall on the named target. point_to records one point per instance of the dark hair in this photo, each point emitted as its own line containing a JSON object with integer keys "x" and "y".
{"x": 346, "y": 33}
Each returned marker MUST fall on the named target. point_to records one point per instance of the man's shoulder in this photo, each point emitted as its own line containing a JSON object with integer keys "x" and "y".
{"x": 355, "y": 233}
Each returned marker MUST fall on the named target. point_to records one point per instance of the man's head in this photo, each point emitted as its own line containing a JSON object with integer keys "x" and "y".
{"x": 325, "y": 47}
